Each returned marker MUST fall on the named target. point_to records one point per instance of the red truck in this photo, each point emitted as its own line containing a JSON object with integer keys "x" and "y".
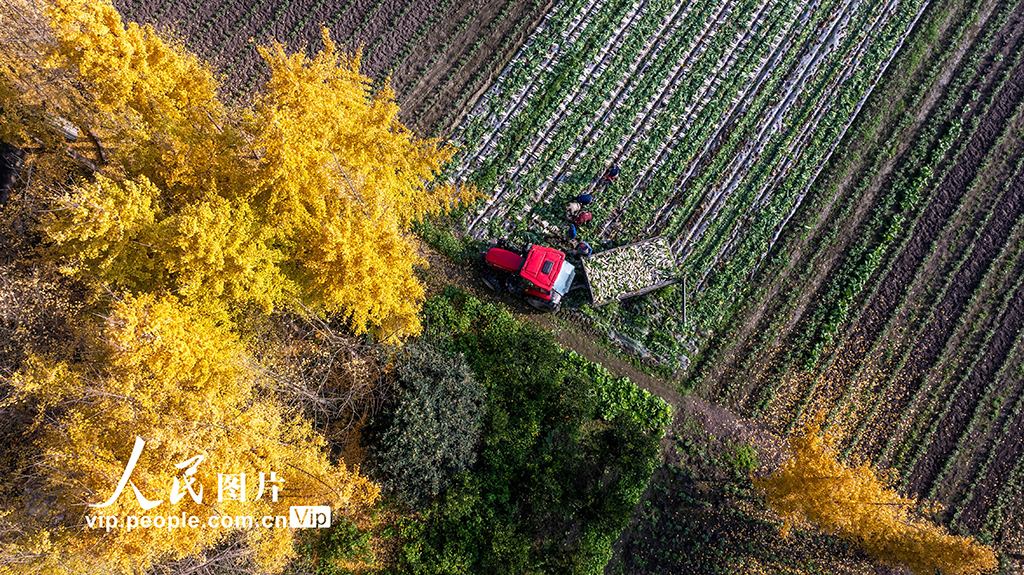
{"x": 538, "y": 274}
{"x": 541, "y": 275}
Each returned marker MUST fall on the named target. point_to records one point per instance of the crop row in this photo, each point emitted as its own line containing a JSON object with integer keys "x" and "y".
{"x": 884, "y": 234}
{"x": 522, "y": 79}
{"x": 730, "y": 58}
{"x": 702, "y": 222}
{"x": 919, "y": 393}
{"x": 721, "y": 291}
{"x": 889, "y": 219}
{"x": 883, "y": 151}
{"x": 421, "y": 32}
{"x": 1010, "y": 493}
{"x": 452, "y": 38}
{"x": 1006, "y": 430}
{"x": 485, "y": 69}
{"x": 642, "y": 73}
{"x": 559, "y": 142}
{"x": 444, "y": 86}
{"x": 679, "y": 130}
{"x": 992, "y": 278}
{"x": 391, "y": 27}
{"x": 894, "y": 372}
{"x": 956, "y": 393}
{"x": 771, "y": 328}
{"x": 562, "y": 83}
{"x": 974, "y": 429}
{"x": 916, "y": 316}
{"x": 557, "y": 92}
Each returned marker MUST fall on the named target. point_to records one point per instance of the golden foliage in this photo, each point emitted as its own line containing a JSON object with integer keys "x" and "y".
{"x": 165, "y": 372}
{"x": 307, "y": 195}
{"x": 861, "y": 506}
{"x": 321, "y": 130}
{"x": 129, "y": 67}
{"x": 108, "y": 226}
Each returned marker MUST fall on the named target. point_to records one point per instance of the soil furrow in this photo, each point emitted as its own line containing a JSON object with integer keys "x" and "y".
{"x": 955, "y": 421}
{"x": 927, "y": 231}
{"x": 960, "y": 481}
{"x": 803, "y": 253}
{"x": 1008, "y": 453}
{"x": 849, "y": 358}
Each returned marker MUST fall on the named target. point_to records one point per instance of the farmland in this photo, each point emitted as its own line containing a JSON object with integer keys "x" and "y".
{"x": 833, "y": 197}
{"x": 438, "y": 53}
{"x": 897, "y": 312}
{"x": 720, "y": 115}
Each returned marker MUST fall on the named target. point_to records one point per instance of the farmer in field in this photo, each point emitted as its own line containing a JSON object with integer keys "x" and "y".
{"x": 575, "y": 214}
{"x": 584, "y": 249}
{"x": 610, "y": 175}
{"x": 575, "y": 207}
{"x": 576, "y": 222}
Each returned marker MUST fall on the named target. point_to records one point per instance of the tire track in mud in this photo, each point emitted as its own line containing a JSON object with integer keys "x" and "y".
{"x": 928, "y": 229}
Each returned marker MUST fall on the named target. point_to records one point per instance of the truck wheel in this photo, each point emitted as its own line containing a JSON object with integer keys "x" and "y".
{"x": 541, "y": 304}
{"x": 492, "y": 282}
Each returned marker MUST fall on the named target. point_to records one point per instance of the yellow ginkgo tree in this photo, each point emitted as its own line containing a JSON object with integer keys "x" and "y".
{"x": 164, "y": 421}
{"x": 307, "y": 194}
{"x": 858, "y": 504}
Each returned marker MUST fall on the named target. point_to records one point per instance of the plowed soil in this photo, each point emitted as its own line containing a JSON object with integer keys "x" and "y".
{"x": 428, "y": 44}
{"x": 931, "y": 342}
{"x": 800, "y": 252}
{"x": 943, "y": 314}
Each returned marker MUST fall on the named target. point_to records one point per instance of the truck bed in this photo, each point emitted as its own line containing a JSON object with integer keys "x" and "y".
{"x": 629, "y": 270}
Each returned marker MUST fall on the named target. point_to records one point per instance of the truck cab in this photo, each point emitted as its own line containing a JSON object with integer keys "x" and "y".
{"x": 538, "y": 274}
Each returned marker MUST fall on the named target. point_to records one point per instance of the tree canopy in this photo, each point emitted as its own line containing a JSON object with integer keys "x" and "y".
{"x": 164, "y": 390}
{"x": 305, "y": 194}
{"x": 861, "y": 506}
{"x": 427, "y": 437}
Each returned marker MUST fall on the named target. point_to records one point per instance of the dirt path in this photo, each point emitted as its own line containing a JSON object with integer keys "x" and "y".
{"x": 568, "y": 332}
{"x": 572, "y": 334}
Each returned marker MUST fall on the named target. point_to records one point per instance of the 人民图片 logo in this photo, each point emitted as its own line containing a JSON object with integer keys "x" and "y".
{"x": 230, "y": 487}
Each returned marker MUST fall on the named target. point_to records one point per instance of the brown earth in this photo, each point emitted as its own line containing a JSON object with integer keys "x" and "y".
{"x": 954, "y": 422}
{"x": 928, "y": 228}
{"x": 227, "y": 33}
{"x": 803, "y": 263}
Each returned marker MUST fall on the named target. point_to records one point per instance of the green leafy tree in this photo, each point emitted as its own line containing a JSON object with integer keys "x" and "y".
{"x": 555, "y": 482}
{"x": 427, "y": 436}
